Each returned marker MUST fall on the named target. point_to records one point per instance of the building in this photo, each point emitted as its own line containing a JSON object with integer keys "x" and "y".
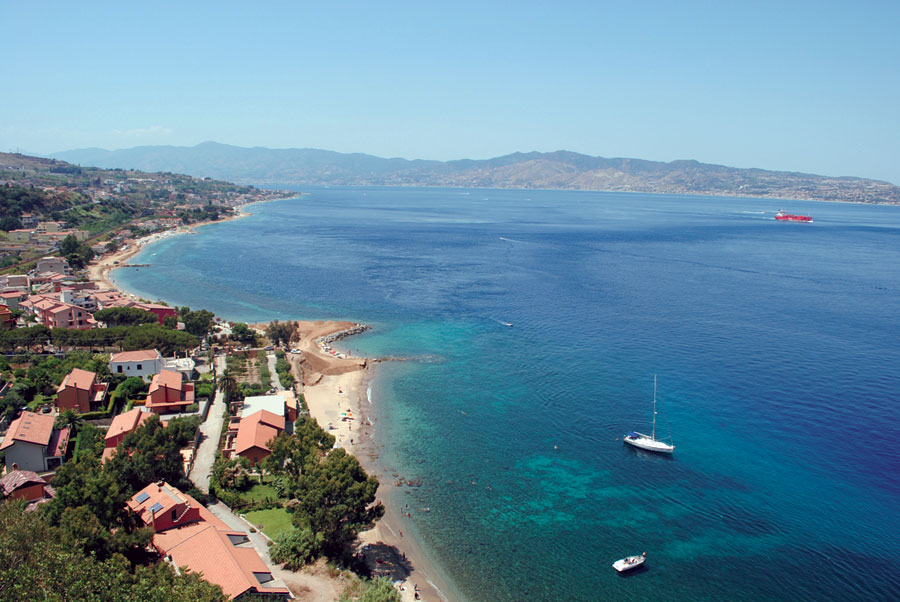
{"x": 24, "y": 485}
{"x": 124, "y": 424}
{"x": 51, "y": 264}
{"x": 183, "y": 365}
{"x": 12, "y": 298}
{"x": 253, "y": 435}
{"x": 192, "y": 539}
{"x": 21, "y": 236}
{"x": 7, "y": 321}
{"x": 169, "y": 393}
{"x": 54, "y": 313}
{"x": 33, "y": 444}
{"x": 144, "y": 363}
{"x": 80, "y": 391}
{"x": 281, "y": 404}
{"x": 160, "y": 311}
{"x": 15, "y": 282}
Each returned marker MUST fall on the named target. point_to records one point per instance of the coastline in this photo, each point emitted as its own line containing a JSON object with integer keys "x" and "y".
{"x": 331, "y": 385}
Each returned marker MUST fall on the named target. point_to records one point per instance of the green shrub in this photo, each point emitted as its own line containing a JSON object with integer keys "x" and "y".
{"x": 295, "y": 548}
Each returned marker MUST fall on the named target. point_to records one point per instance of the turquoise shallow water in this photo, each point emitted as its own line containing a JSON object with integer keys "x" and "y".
{"x": 775, "y": 346}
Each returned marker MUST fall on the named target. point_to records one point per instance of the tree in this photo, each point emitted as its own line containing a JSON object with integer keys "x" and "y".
{"x": 294, "y": 548}
{"x": 233, "y": 473}
{"x": 334, "y": 499}
{"x": 39, "y": 561}
{"x": 69, "y": 418}
{"x": 132, "y": 387}
{"x": 125, "y": 316}
{"x": 228, "y": 384}
{"x": 243, "y": 333}
{"x": 10, "y": 223}
{"x": 12, "y": 404}
{"x": 69, "y": 245}
{"x": 199, "y": 323}
{"x": 280, "y": 332}
{"x": 290, "y": 453}
{"x": 153, "y": 453}
{"x": 154, "y": 336}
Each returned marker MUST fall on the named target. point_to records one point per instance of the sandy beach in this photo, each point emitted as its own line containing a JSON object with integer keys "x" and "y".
{"x": 335, "y": 392}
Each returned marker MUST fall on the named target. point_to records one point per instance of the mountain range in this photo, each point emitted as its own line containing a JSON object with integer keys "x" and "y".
{"x": 556, "y": 170}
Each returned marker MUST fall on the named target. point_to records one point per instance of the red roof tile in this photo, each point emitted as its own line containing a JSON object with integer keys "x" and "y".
{"x": 19, "y": 478}
{"x": 78, "y": 379}
{"x": 126, "y": 423}
{"x": 135, "y": 356}
{"x": 30, "y": 428}
{"x": 257, "y": 430}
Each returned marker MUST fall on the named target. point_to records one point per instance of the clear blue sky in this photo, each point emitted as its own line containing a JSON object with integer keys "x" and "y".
{"x": 805, "y": 86}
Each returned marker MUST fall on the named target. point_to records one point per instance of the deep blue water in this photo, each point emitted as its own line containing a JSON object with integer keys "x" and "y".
{"x": 776, "y": 346}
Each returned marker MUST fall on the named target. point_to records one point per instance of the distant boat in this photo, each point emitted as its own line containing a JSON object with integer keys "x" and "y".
{"x": 650, "y": 442}
{"x": 789, "y": 217}
{"x": 629, "y": 562}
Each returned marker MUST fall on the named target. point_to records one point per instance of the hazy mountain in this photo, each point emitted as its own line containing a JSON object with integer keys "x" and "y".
{"x": 559, "y": 170}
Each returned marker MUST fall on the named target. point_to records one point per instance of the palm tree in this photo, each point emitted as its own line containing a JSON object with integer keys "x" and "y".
{"x": 69, "y": 418}
{"x": 229, "y": 386}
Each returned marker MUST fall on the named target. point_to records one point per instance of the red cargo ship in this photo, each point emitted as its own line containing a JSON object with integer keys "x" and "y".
{"x": 781, "y": 215}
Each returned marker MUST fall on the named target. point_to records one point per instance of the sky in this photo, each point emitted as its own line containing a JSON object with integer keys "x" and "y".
{"x": 794, "y": 86}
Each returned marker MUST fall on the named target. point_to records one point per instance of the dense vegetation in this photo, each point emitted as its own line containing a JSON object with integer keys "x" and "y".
{"x": 85, "y": 544}
{"x": 121, "y": 338}
{"x": 330, "y": 496}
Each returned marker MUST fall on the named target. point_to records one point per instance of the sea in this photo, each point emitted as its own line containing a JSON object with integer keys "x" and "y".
{"x": 532, "y": 324}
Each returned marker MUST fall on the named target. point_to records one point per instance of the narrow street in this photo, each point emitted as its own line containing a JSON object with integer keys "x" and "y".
{"x": 211, "y": 430}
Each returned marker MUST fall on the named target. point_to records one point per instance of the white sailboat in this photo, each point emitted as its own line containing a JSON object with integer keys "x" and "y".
{"x": 650, "y": 442}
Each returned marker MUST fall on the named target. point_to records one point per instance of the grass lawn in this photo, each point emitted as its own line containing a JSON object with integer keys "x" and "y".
{"x": 273, "y": 521}
{"x": 260, "y": 492}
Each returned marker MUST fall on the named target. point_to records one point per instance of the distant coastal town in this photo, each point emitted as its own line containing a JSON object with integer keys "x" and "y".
{"x": 159, "y": 446}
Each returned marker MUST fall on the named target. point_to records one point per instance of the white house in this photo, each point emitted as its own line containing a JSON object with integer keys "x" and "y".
{"x": 143, "y": 363}
{"x": 33, "y": 444}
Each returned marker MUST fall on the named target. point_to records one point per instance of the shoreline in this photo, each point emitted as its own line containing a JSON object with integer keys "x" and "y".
{"x": 330, "y": 385}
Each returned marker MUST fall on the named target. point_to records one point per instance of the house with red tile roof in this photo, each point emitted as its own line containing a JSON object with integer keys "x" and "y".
{"x": 7, "y": 321}
{"x": 160, "y": 311}
{"x": 254, "y": 433}
{"x": 24, "y": 485}
{"x": 144, "y": 363}
{"x": 53, "y": 313}
{"x": 12, "y": 298}
{"x": 32, "y": 443}
{"x": 169, "y": 393}
{"x": 191, "y": 538}
{"x": 124, "y": 424}
{"x": 80, "y": 391}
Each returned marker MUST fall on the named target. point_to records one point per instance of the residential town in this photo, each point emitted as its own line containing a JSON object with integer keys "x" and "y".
{"x": 112, "y": 395}
{"x": 177, "y": 436}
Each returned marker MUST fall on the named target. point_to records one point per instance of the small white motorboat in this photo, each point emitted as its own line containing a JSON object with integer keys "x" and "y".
{"x": 629, "y": 562}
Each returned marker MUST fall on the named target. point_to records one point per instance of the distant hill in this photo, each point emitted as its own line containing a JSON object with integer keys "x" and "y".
{"x": 557, "y": 170}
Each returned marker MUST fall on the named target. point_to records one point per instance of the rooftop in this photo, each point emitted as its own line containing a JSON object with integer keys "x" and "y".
{"x": 29, "y": 428}
{"x": 135, "y": 356}
{"x": 78, "y": 379}
{"x": 257, "y": 430}
{"x": 19, "y": 478}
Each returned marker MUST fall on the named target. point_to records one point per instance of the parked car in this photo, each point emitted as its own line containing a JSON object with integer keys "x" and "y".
{"x": 269, "y": 348}
{"x": 45, "y": 409}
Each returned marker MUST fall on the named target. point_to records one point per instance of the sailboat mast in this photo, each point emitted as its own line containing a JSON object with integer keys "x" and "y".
{"x": 653, "y": 432}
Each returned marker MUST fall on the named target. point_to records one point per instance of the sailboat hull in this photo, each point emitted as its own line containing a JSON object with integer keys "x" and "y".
{"x": 649, "y": 444}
